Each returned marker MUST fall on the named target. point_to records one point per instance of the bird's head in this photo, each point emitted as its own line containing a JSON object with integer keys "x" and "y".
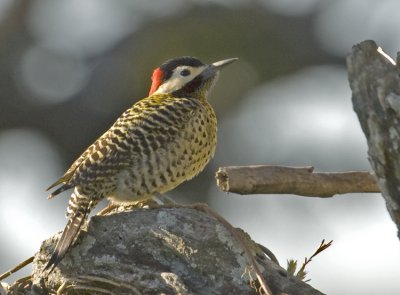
{"x": 186, "y": 77}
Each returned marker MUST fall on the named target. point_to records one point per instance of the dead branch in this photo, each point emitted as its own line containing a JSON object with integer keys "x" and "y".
{"x": 303, "y": 181}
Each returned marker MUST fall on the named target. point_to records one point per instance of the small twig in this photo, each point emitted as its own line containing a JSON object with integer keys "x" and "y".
{"x": 301, "y": 273}
{"x": 265, "y": 179}
{"x": 16, "y": 268}
{"x": 321, "y": 248}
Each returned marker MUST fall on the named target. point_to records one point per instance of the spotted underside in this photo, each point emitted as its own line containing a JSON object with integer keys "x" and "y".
{"x": 154, "y": 146}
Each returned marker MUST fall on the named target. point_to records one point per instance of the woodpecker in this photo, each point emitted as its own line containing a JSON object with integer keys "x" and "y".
{"x": 158, "y": 143}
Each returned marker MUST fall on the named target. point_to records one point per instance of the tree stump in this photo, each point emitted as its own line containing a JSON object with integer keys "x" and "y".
{"x": 158, "y": 251}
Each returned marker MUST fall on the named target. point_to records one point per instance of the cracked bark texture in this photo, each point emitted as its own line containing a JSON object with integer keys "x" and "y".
{"x": 157, "y": 251}
{"x": 375, "y": 84}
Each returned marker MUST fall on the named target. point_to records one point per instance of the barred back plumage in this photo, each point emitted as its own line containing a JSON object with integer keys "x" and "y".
{"x": 158, "y": 143}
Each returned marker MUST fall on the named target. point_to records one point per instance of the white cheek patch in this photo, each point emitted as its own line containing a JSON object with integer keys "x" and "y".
{"x": 177, "y": 81}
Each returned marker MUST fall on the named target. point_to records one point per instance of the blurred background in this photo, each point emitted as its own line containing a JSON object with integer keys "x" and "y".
{"x": 68, "y": 69}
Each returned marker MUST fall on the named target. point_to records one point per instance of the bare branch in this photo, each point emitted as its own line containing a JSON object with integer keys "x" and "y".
{"x": 265, "y": 179}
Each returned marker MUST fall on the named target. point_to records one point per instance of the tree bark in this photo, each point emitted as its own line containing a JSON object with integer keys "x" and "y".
{"x": 302, "y": 181}
{"x": 375, "y": 83}
{"x": 158, "y": 251}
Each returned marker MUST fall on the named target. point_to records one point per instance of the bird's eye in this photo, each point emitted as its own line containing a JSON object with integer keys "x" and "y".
{"x": 185, "y": 72}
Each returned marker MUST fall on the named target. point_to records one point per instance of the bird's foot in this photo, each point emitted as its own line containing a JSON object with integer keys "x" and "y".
{"x": 157, "y": 201}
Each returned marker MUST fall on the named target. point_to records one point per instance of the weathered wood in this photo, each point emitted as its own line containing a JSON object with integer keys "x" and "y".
{"x": 154, "y": 251}
{"x": 375, "y": 84}
{"x": 303, "y": 181}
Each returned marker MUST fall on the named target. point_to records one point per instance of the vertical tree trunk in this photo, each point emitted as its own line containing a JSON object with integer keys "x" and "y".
{"x": 375, "y": 83}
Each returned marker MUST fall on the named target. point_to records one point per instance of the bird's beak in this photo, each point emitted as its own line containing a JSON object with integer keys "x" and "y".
{"x": 222, "y": 63}
{"x": 212, "y": 69}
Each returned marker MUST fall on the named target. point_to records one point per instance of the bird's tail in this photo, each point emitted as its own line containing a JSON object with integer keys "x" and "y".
{"x": 78, "y": 210}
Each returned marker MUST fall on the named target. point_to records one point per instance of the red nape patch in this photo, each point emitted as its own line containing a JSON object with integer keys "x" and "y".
{"x": 156, "y": 78}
